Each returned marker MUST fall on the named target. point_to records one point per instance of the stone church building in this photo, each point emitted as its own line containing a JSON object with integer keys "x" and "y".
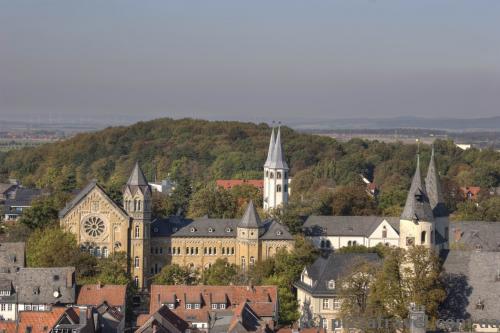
{"x": 103, "y": 226}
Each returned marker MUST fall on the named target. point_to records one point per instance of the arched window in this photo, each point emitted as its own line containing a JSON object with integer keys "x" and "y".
{"x": 98, "y": 251}
{"x": 349, "y": 243}
{"x": 215, "y": 250}
{"x": 322, "y": 244}
{"x": 232, "y": 250}
{"x": 278, "y": 175}
{"x": 91, "y": 250}
{"x": 267, "y": 173}
{"x": 271, "y": 175}
{"x": 354, "y": 243}
{"x": 136, "y": 262}
{"x": 136, "y": 281}
{"x": 422, "y": 237}
{"x": 328, "y": 244}
{"x": 137, "y": 232}
{"x": 252, "y": 261}
{"x": 278, "y": 188}
{"x": 135, "y": 205}
{"x": 139, "y": 205}
{"x": 223, "y": 251}
{"x": 384, "y": 232}
{"x": 210, "y": 251}
{"x": 196, "y": 250}
{"x": 105, "y": 253}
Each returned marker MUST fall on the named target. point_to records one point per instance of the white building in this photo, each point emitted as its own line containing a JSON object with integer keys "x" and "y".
{"x": 276, "y": 177}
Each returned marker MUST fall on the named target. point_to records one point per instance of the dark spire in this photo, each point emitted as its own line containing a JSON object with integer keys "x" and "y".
{"x": 433, "y": 188}
{"x": 278, "y": 160}
{"x": 417, "y": 205}
{"x": 271, "y": 149}
{"x": 137, "y": 177}
{"x": 251, "y": 218}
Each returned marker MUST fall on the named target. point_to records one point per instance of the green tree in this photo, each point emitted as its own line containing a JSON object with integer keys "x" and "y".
{"x": 288, "y": 305}
{"x": 221, "y": 273}
{"x": 42, "y": 213}
{"x": 174, "y": 275}
{"x": 212, "y": 201}
{"x": 353, "y": 200}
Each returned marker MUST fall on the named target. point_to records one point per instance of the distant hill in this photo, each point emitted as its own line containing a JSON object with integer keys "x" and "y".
{"x": 455, "y": 124}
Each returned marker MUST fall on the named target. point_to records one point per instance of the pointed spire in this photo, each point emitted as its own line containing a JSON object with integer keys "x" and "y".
{"x": 417, "y": 205}
{"x": 137, "y": 177}
{"x": 271, "y": 149}
{"x": 277, "y": 159}
{"x": 251, "y": 218}
{"x": 433, "y": 188}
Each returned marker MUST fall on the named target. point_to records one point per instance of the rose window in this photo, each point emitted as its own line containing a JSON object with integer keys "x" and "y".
{"x": 93, "y": 226}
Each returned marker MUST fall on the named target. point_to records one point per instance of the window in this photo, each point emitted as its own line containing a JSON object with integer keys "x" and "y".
{"x": 161, "y": 250}
{"x": 232, "y": 250}
{"x": 192, "y": 229}
{"x": 205, "y": 250}
{"x": 136, "y": 281}
{"x": 384, "y": 232}
{"x": 252, "y": 261}
{"x": 422, "y": 237}
{"x": 171, "y": 306}
{"x": 210, "y": 251}
{"x": 223, "y": 251}
{"x": 279, "y": 233}
{"x": 324, "y": 322}
{"x": 210, "y": 230}
{"x": 331, "y": 284}
{"x": 286, "y": 188}
{"x": 137, "y": 231}
{"x": 328, "y": 244}
{"x": 222, "y": 306}
{"x": 105, "y": 252}
{"x": 271, "y": 175}
{"x": 349, "y": 243}
{"x": 197, "y": 306}
{"x": 267, "y": 173}
{"x": 243, "y": 263}
{"x": 326, "y": 304}
{"x": 94, "y": 226}
{"x": 9, "y": 307}
{"x": 336, "y": 302}
{"x": 188, "y": 306}
{"x": 214, "y": 306}
{"x": 228, "y": 229}
{"x": 3, "y": 307}
{"x": 354, "y": 243}
{"x": 139, "y": 205}
{"x": 187, "y": 250}
{"x": 278, "y": 188}
{"x": 97, "y": 251}
{"x": 278, "y": 175}
{"x": 136, "y": 262}
{"x": 215, "y": 250}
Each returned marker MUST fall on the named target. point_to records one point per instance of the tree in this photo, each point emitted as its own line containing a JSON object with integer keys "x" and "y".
{"x": 113, "y": 270}
{"x": 42, "y": 213}
{"x": 174, "y": 275}
{"x": 288, "y": 304}
{"x": 353, "y": 200}
{"x": 162, "y": 205}
{"x": 212, "y": 201}
{"x": 221, "y": 273}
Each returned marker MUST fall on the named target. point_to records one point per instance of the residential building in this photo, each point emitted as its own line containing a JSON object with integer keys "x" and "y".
{"x": 19, "y": 201}
{"x": 318, "y": 290}
{"x": 211, "y": 309}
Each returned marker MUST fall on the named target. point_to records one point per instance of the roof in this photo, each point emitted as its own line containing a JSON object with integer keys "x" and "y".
{"x": 270, "y": 151}
{"x": 207, "y": 227}
{"x": 472, "y": 235}
{"x": 417, "y": 205}
{"x": 23, "y": 197}
{"x": 251, "y": 218}
{"x": 264, "y": 297}
{"x": 302, "y": 330}
{"x": 334, "y": 267}
{"x": 39, "y": 285}
{"x": 274, "y": 230}
{"x": 96, "y": 294}
{"x": 433, "y": 188}
{"x": 277, "y": 157}
{"x": 8, "y": 326}
{"x": 471, "y": 277}
{"x": 230, "y": 183}
{"x": 166, "y": 227}
{"x": 6, "y": 187}
{"x": 12, "y": 257}
{"x": 137, "y": 180}
{"x": 40, "y": 321}
{"x": 473, "y": 190}
{"x": 346, "y": 225}
{"x": 163, "y": 317}
{"x": 83, "y": 194}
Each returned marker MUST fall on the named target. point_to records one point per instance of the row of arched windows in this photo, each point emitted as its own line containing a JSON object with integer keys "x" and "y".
{"x": 195, "y": 251}
{"x": 133, "y": 205}
{"x": 98, "y": 251}
{"x": 156, "y": 250}
{"x": 278, "y": 174}
{"x": 325, "y": 244}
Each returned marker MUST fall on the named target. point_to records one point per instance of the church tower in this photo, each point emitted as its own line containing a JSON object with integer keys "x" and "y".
{"x": 439, "y": 210}
{"x": 275, "y": 175}
{"x": 248, "y": 231}
{"x": 137, "y": 203}
{"x": 417, "y": 225}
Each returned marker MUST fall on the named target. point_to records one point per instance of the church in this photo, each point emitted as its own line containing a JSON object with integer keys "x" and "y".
{"x": 103, "y": 226}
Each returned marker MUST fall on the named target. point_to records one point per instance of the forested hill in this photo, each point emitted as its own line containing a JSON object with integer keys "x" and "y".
{"x": 202, "y": 151}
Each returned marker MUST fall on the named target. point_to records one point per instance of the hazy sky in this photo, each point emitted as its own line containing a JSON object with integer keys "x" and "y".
{"x": 252, "y": 60}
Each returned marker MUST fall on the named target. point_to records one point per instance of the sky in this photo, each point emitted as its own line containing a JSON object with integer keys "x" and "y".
{"x": 122, "y": 60}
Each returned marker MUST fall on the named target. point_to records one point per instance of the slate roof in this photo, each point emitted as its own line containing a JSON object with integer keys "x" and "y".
{"x": 37, "y": 285}
{"x": 275, "y": 231}
{"x": 82, "y": 194}
{"x": 473, "y": 235}
{"x": 12, "y": 257}
{"x": 345, "y": 225}
{"x": 334, "y": 267}
{"x": 23, "y": 197}
{"x": 137, "y": 180}
{"x": 166, "y": 227}
{"x": 433, "y": 188}
{"x": 470, "y": 277}
{"x": 251, "y": 218}
{"x": 277, "y": 157}
{"x": 270, "y": 151}
{"x": 6, "y": 187}
{"x": 417, "y": 205}
{"x": 200, "y": 228}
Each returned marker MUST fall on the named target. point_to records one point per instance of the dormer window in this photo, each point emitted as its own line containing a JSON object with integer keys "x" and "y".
{"x": 211, "y": 230}
{"x": 192, "y": 229}
{"x": 171, "y": 306}
{"x": 155, "y": 229}
{"x": 228, "y": 229}
{"x": 480, "y": 304}
{"x": 331, "y": 284}
{"x": 188, "y": 306}
{"x": 479, "y": 247}
{"x": 279, "y": 233}
{"x": 174, "y": 229}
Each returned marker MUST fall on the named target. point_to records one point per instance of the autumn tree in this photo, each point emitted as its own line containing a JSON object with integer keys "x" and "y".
{"x": 174, "y": 275}
{"x": 221, "y": 273}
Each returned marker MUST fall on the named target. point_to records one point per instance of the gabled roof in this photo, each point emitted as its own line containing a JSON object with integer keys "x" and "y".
{"x": 346, "y": 225}
{"x": 166, "y": 227}
{"x": 474, "y": 235}
{"x": 23, "y": 197}
{"x": 275, "y": 231}
{"x": 251, "y": 218}
{"x": 165, "y": 318}
{"x": 38, "y": 285}
{"x": 96, "y": 294}
{"x": 40, "y": 321}
{"x": 433, "y": 187}
{"x": 270, "y": 151}
{"x": 334, "y": 267}
{"x": 207, "y": 227}
{"x": 277, "y": 157}
{"x": 417, "y": 205}
{"x": 82, "y": 194}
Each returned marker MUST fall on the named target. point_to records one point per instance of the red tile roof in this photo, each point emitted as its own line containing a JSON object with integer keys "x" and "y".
{"x": 229, "y": 183}
{"x": 8, "y": 326}
{"x": 95, "y": 294}
{"x": 473, "y": 190}
{"x": 39, "y": 321}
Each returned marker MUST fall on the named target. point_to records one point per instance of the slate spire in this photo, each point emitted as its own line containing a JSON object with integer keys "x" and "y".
{"x": 271, "y": 149}
{"x": 278, "y": 159}
{"x": 417, "y": 207}
{"x": 137, "y": 177}
{"x": 433, "y": 187}
{"x": 251, "y": 218}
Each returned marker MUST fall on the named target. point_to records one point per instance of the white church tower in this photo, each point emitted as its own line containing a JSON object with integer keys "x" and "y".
{"x": 275, "y": 175}
{"x": 417, "y": 224}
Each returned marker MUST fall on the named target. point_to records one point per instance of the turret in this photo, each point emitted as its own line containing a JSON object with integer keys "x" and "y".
{"x": 275, "y": 175}
{"x": 248, "y": 231}
{"x": 417, "y": 219}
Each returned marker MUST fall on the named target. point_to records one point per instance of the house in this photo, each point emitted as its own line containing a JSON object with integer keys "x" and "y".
{"x": 7, "y": 191}
{"x": 109, "y": 302}
{"x": 471, "y": 192}
{"x": 318, "y": 291}
{"x": 472, "y": 280}
{"x": 211, "y": 309}
{"x": 230, "y": 183}
{"x": 475, "y": 236}
{"x": 19, "y": 201}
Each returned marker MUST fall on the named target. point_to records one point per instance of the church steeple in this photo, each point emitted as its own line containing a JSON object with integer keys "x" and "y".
{"x": 277, "y": 158}
{"x": 433, "y": 187}
{"x": 271, "y": 149}
{"x": 275, "y": 175}
{"x": 251, "y": 218}
{"x": 417, "y": 207}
